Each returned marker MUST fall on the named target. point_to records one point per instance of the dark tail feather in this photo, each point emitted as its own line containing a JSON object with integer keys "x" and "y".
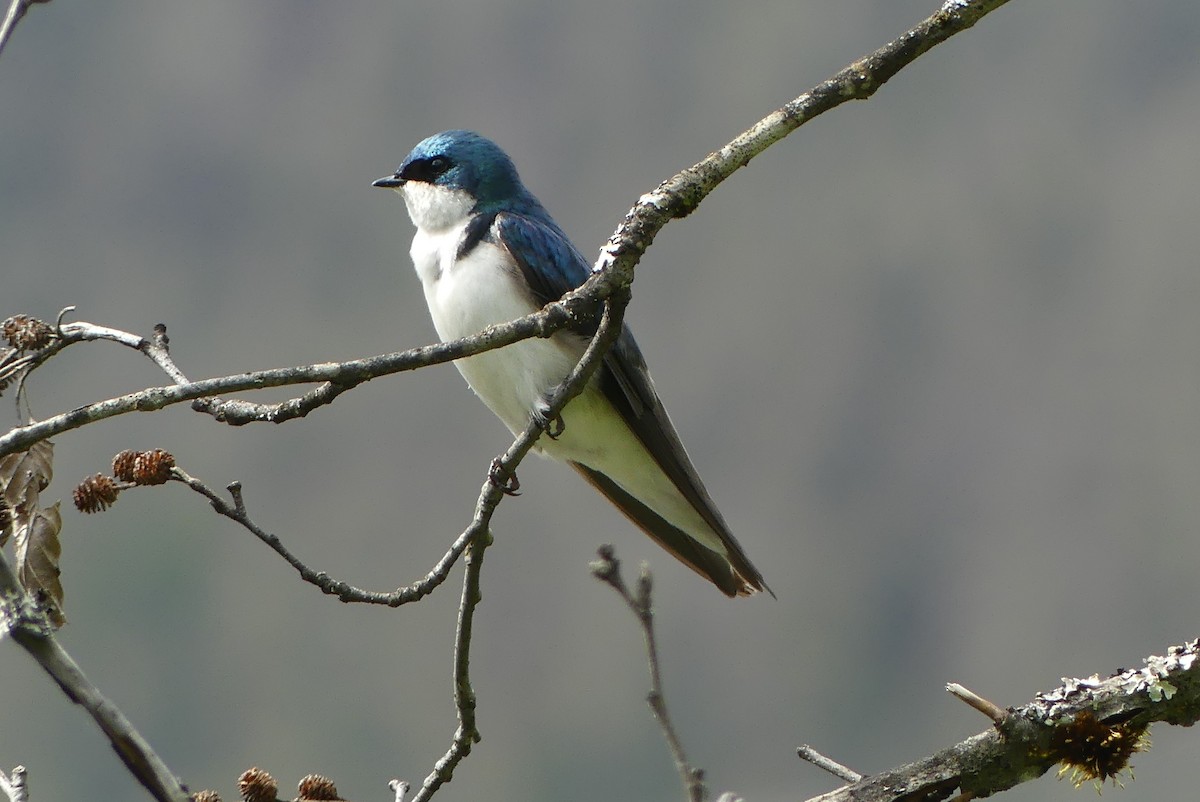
{"x": 732, "y": 578}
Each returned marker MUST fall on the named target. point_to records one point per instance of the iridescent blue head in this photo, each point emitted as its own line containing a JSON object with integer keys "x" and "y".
{"x": 464, "y": 163}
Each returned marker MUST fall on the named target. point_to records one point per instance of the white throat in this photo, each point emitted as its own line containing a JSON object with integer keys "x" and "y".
{"x": 433, "y": 208}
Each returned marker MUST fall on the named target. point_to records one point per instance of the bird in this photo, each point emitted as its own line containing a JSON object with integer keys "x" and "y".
{"x": 487, "y": 252}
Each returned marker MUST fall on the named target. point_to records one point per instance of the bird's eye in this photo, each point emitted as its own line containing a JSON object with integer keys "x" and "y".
{"x": 439, "y": 165}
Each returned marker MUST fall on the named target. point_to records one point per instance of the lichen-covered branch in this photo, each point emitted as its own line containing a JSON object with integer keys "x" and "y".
{"x": 1089, "y": 727}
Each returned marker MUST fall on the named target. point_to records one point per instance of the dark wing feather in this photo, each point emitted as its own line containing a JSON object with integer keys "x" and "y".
{"x": 560, "y": 267}
{"x": 626, "y": 382}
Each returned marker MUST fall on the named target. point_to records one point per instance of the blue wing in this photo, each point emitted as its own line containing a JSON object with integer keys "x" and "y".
{"x": 552, "y": 266}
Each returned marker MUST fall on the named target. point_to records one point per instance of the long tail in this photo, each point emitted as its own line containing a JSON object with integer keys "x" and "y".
{"x": 731, "y": 572}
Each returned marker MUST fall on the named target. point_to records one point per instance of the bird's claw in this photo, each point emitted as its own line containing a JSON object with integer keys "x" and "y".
{"x": 504, "y": 479}
{"x": 552, "y": 426}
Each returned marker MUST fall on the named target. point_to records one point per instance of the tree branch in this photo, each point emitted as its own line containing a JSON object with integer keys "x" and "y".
{"x": 608, "y": 570}
{"x": 806, "y": 752}
{"x": 16, "y": 10}
{"x": 675, "y": 198}
{"x": 570, "y": 309}
{"x": 489, "y": 497}
{"x": 479, "y": 537}
{"x": 1089, "y": 726}
{"x": 16, "y": 787}
{"x": 466, "y": 734}
{"x": 21, "y": 618}
{"x": 679, "y": 195}
{"x": 235, "y": 510}
{"x": 612, "y": 276}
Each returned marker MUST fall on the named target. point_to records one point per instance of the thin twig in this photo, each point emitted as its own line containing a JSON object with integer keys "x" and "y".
{"x": 679, "y": 195}
{"x": 16, "y": 787}
{"x": 479, "y": 536}
{"x": 466, "y": 734}
{"x": 159, "y": 350}
{"x": 989, "y": 709}
{"x": 16, "y": 10}
{"x": 489, "y": 497}
{"x": 20, "y": 617}
{"x": 399, "y": 788}
{"x": 608, "y": 570}
{"x": 830, "y": 765}
{"x": 236, "y": 511}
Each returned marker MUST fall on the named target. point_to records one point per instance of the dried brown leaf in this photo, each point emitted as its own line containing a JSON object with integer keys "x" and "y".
{"x": 37, "y": 549}
{"x": 25, "y": 474}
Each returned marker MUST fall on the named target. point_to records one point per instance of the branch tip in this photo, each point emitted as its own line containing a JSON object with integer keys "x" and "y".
{"x": 807, "y": 753}
{"x": 58, "y": 321}
{"x": 644, "y": 587}
{"x": 607, "y": 569}
{"x": 15, "y": 786}
{"x": 990, "y": 709}
{"x": 161, "y": 340}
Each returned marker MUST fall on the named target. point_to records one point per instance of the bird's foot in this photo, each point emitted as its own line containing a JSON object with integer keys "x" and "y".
{"x": 552, "y": 426}
{"x": 504, "y": 479}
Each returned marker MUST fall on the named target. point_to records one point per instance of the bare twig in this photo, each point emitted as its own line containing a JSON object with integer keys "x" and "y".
{"x": 158, "y": 349}
{"x": 989, "y": 709}
{"x": 679, "y": 195}
{"x": 16, "y": 10}
{"x": 472, "y": 543}
{"x": 479, "y": 536}
{"x": 489, "y": 497}
{"x": 21, "y": 618}
{"x": 15, "y": 786}
{"x": 608, "y": 570}
{"x": 830, "y": 765}
{"x": 466, "y": 734}
{"x": 236, "y": 511}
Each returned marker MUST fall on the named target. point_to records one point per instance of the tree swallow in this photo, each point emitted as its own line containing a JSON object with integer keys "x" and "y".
{"x": 487, "y": 252}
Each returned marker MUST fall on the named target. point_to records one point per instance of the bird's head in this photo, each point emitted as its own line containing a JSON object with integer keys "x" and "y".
{"x": 453, "y": 174}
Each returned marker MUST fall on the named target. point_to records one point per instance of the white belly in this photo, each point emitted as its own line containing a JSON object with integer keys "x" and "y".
{"x": 483, "y": 289}
{"x": 480, "y": 290}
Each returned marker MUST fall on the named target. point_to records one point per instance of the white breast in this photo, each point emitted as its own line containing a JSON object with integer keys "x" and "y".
{"x": 481, "y": 289}
{"x": 485, "y": 287}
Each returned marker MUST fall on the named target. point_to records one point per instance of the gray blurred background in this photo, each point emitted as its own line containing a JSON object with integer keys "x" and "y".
{"x": 934, "y": 354}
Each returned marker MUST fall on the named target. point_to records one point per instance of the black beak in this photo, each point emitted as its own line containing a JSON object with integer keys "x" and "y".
{"x": 389, "y": 182}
